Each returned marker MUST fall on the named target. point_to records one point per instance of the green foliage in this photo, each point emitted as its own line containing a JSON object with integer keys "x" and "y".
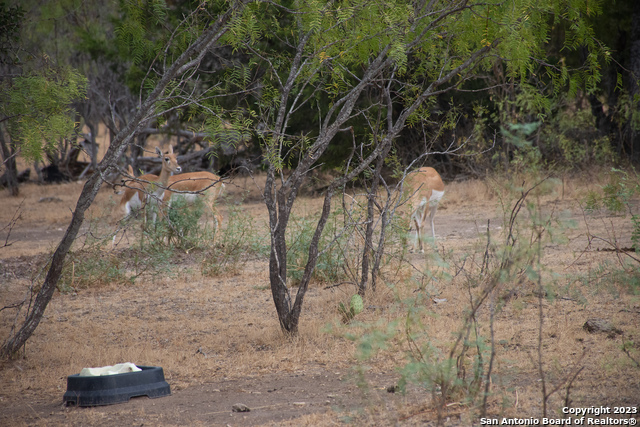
{"x": 518, "y": 134}
{"x": 89, "y": 267}
{"x": 179, "y": 226}
{"x": 182, "y": 233}
{"x": 356, "y": 306}
{"x": 11, "y": 17}
{"x": 635, "y": 234}
{"x": 622, "y": 187}
{"x": 343, "y": 38}
{"x": 234, "y": 244}
{"x": 333, "y": 246}
{"x": 613, "y": 278}
{"x": 137, "y": 32}
{"x": 458, "y": 368}
{"x": 617, "y": 194}
{"x": 94, "y": 264}
{"x": 526, "y": 156}
{"x": 618, "y": 197}
{"x": 375, "y": 337}
{"x": 39, "y": 109}
{"x": 185, "y": 232}
{"x": 341, "y": 245}
{"x": 573, "y": 141}
{"x": 436, "y": 371}
{"x": 151, "y": 32}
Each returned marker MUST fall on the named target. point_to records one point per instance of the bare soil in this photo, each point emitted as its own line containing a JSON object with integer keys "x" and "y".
{"x": 219, "y": 342}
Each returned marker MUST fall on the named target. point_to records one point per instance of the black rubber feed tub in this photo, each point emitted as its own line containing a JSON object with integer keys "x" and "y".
{"x": 118, "y": 388}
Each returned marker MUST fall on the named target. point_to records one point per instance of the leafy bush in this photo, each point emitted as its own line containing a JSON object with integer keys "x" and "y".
{"x": 572, "y": 139}
{"x": 635, "y": 234}
{"x": 622, "y": 187}
{"x": 95, "y": 265}
{"x": 179, "y": 226}
{"x": 617, "y": 196}
{"x": 90, "y": 267}
{"x": 234, "y": 244}
{"x": 460, "y": 369}
{"x": 336, "y": 245}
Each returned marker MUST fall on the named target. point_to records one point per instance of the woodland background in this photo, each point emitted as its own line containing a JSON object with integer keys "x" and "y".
{"x": 314, "y": 113}
{"x": 93, "y": 59}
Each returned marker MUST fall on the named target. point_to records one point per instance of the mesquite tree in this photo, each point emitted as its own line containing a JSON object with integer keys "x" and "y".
{"x": 168, "y": 82}
{"x": 328, "y": 55}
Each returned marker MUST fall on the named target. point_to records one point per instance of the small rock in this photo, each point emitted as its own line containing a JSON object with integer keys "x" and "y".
{"x": 601, "y": 325}
{"x": 392, "y": 389}
{"x": 240, "y": 407}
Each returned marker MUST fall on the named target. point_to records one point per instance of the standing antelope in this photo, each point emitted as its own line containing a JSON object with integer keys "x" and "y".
{"x": 425, "y": 187}
{"x": 164, "y": 189}
{"x": 189, "y": 186}
{"x": 149, "y": 185}
{"x": 133, "y": 195}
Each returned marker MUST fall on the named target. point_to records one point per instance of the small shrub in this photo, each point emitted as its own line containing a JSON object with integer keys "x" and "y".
{"x": 572, "y": 139}
{"x": 184, "y": 228}
{"x": 335, "y": 246}
{"x": 613, "y": 278}
{"x": 460, "y": 368}
{"x": 622, "y": 187}
{"x": 617, "y": 196}
{"x": 234, "y": 244}
{"x": 180, "y": 226}
{"x": 91, "y": 267}
{"x": 635, "y": 234}
{"x": 356, "y": 305}
{"x": 592, "y": 201}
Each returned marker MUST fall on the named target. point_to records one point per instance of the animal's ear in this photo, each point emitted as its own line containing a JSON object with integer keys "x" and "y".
{"x": 170, "y": 149}
{"x": 130, "y": 170}
{"x": 159, "y": 151}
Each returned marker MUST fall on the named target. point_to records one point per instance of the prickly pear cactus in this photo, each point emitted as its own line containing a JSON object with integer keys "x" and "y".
{"x": 356, "y": 304}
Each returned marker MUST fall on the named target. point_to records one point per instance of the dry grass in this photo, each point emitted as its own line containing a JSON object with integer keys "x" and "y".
{"x": 202, "y": 329}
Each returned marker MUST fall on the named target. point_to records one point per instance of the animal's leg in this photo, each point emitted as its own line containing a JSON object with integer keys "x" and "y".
{"x": 433, "y": 208}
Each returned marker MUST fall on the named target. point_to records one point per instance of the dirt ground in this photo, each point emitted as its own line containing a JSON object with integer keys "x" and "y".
{"x": 219, "y": 342}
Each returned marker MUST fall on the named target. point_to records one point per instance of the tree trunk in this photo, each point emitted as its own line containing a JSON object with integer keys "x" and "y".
{"x": 368, "y": 235}
{"x": 279, "y": 204}
{"x": 339, "y": 113}
{"x": 12, "y": 345}
{"x": 9, "y": 161}
{"x": 278, "y": 218}
{"x": 94, "y": 145}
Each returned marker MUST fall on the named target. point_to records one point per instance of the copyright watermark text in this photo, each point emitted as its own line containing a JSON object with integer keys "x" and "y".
{"x": 592, "y": 415}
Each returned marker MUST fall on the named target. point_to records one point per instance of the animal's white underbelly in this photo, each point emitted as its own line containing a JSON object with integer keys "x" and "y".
{"x": 186, "y": 197}
{"x": 436, "y": 196}
{"x": 134, "y": 204}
